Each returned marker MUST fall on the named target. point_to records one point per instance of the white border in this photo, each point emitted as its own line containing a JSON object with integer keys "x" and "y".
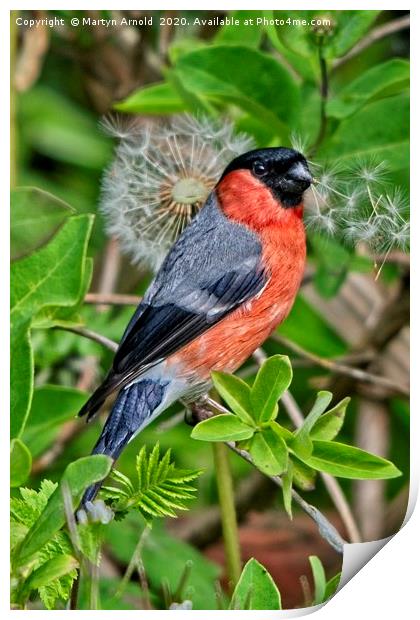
{"x": 388, "y": 584}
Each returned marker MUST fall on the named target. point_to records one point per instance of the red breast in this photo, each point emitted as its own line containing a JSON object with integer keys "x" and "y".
{"x": 229, "y": 343}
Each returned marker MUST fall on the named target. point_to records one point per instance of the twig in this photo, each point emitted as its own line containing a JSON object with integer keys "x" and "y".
{"x": 88, "y": 333}
{"x": 110, "y": 270}
{"x": 326, "y": 529}
{"x": 112, "y": 298}
{"x": 396, "y": 25}
{"x": 342, "y": 369}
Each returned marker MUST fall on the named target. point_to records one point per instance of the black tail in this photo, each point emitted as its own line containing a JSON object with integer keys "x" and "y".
{"x": 131, "y": 411}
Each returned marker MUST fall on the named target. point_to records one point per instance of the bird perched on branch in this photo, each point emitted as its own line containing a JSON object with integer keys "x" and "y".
{"x": 227, "y": 282}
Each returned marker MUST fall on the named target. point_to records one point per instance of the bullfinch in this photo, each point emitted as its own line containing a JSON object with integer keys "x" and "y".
{"x": 226, "y": 283}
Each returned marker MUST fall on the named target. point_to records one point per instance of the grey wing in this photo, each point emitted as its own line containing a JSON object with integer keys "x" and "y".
{"x": 213, "y": 268}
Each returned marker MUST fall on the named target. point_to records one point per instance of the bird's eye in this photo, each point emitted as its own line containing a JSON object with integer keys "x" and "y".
{"x": 259, "y": 168}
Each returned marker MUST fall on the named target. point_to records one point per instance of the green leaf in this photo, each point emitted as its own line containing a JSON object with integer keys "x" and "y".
{"x": 214, "y": 74}
{"x": 302, "y": 443}
{"x": 381, "y": 80}
{"x": 269, "y": 452}
{"x": 161, "y": 489}
{"x": 35, "y": 215}
{"x": 20, "y": 463}
{"x": 223, "y": 427}
{"x": 76, "y": 478}
{"x": 287, "y": 488}
{"x": 66, "y": 316}
{"x": 161, "y": 98}
{"x": 55, "y": 126}
{"x": 308, "y": 70}
{"x": 21, "y": 378}
{"x": 243, "y": 33}
{"x": 255, "y": 589}
{"x": 369, "y": 132}
{"x": 303, "y": 476}
{"x": 52, "y": 405}
{"x": 331, "y": 586}
{"x": 282, "y": 432}
{"x": 272, "y": 380}
{"x": 320, "y": 582}
{"x": 330, "y": 423}
{"x": 49, "y": 571}
{"x": 345, "y": 461}
{"x": 236, "y": 394}
{"x": 53, "y": 274}
{"x": 350, "y": 27}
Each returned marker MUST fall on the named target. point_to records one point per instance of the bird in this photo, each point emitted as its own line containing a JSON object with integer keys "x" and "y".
{"x": 227, "y": 282}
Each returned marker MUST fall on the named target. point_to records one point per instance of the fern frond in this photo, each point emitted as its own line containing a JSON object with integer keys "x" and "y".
{"x": 160, "y": 489}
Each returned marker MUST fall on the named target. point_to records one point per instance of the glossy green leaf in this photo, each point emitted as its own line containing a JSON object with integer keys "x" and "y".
{"x": 161, "y": 98}
{"x": 255, "y": 589}
{"x": 272, "y": 380}
{"x": 52, "y": 275}
{"x": 282, "y": 432}
{"x": 236, "y": 394}
{"x": 35, "y": 216}
{"x": 66, "y": 316}
{"x": 320, "y": 581}
{"x": 287, "y": 479}
{"x": 329, "y": 424}
{"x": 206, "y": 73}
{"x": 269, "y": 452}
{"x": 369, "y": 133}
{"x": 302, "y": 443}
{"x": 303, "y": 476}
{"x": 381, "y": 80}
{"x": 76, "y": 478}
{"x": 20, "y": 463}
{"x": 224, "y": 427}
{"x": 345, "y": 461}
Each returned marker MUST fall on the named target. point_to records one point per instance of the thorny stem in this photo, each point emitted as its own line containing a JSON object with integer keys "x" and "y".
{"x": 228, "y": 513}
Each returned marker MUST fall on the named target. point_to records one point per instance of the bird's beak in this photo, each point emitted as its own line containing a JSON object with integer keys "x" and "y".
{"x": 299, "y": 177}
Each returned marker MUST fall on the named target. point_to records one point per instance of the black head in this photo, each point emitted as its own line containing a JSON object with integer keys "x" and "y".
{"x": 284, "y": 171}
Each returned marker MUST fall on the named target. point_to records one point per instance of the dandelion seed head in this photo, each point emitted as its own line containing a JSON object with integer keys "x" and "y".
{"x": 370, "y": 171}
{"x": 322, "y": 222}
{"x": 161, "y": 176}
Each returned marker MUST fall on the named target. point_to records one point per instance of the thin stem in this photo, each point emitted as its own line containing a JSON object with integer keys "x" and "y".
{"x": 88, "y": 333}
{"x": 342, "y": 369}
{"x": 228, "y": 513}
{"x": 396, "y": 25}
{"x": 324, "y": 88}
{"x": 136, "y": 562}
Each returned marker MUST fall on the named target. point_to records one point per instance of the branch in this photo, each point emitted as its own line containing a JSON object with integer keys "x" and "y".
{"x": 88, "y": 333}
{"x": 342, "y": 369}
{"x": 375, "y": 35}
{"x": 115, "y": 299}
